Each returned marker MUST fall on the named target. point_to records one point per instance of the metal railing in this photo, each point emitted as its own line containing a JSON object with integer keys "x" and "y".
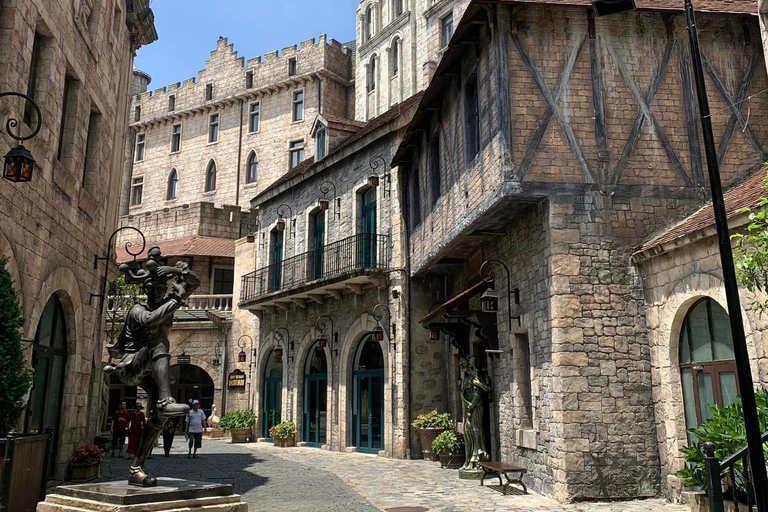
{"x": 365, "y": 251}
{"x": 193, "y": 303}
{"x": 735, "y": 472}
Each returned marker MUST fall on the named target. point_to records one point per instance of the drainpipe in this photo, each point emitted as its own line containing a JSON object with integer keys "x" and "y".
{"x": 239, "y": 155}
{"x": 407, "y": 307}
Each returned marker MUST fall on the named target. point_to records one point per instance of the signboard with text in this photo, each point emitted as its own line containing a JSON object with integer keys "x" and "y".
{"x": 236, "y": 380}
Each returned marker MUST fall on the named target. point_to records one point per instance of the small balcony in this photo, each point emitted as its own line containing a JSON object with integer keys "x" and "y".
{"x": 198, "y": 308}
{"x": 345, "y": 265}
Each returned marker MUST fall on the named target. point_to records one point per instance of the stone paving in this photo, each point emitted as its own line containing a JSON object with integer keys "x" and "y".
{"x": 274, "y": 479}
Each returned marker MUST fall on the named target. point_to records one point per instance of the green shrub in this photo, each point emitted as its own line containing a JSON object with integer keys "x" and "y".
{"x": 448, "y": 442}
{"x": 433, "y": 419}
{"x": 238, "y": 419}
{"x": 14, "y": 377}
{"x": 284, "y": 430}
{"x": 725, "y": 429}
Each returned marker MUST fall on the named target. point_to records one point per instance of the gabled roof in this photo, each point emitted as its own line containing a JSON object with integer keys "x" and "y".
{"x": 721, "y": 6}
{"x": 747, "y": 194}
{"x": 197, "y": 246}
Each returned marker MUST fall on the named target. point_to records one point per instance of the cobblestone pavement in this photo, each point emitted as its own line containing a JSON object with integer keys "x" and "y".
{"x": 310, "y": 480}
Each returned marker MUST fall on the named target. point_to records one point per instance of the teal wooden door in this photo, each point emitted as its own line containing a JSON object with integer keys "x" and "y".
{"x": 315, "y": 398}
{"x": 368, "y": 395}
{"x": 318, "y": 245}
{"x": 276, "y": 272}
{"x": 368, "y": 229}
{"x": 272, "y": 395}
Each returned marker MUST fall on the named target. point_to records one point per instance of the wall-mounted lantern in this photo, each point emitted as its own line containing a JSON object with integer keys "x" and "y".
{"x": 434, "y": 334}
{"x": 216, "y": 356}
{"x": 375, "y": 162}
{"x": 19, "y": 163}
{"x": 489, "y": 302}
{"x": 281, "y": 210}
{"x": 242, "y": 357}
{"x": 280, "y": 339}
{"x": 322, "y": 338}
{"x": 378, "y": 332}
{"x": 373, "y": 181}
{"x": 325, "y": 204}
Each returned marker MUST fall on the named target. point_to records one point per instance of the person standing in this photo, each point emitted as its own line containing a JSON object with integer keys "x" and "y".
{"x": 138, "y": 422}
{"x": 169, "y": 431}
{"x": 196, "y": 421}
{"x": 120, "y": 422}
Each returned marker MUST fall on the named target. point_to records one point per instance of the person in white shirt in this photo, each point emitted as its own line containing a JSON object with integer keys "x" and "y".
{"x": 196, "y": 422}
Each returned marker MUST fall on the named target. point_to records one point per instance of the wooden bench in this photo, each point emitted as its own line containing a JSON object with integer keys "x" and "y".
{"x": 497, "y": 469}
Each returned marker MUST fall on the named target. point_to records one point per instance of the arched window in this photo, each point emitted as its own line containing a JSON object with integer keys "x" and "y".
{"x": 372, "y": 74}
{"x": 251, "y": 168}
{"x": 397, "y": 8}
{"x": 395, "y": 55}
{"x": 368, "y": 23}
{"x": 707, "y": 366}
{"x": 173, "y": 186}
{"x": 210, "y": 177}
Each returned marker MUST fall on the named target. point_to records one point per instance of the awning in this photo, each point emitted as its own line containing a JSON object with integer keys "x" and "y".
{"x": 197, "y": 246}
{"x": 454, "y": 303}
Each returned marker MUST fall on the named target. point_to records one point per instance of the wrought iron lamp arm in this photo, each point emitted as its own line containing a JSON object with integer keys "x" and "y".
{"x": 321, "y": 325}
{"x": 110, "y": 244}
{"x": 14, "y": 123}
{"x": 376, "y": 161}
{"x": 379, "y": 317}
{"x": 242, "y": 345}
{"x": 491, "y": 280}
{"x": 324, "y": 188}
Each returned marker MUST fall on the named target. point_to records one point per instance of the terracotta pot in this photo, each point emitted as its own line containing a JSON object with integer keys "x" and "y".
{"x": 85, "y": 471}
{"x": 452, "y": 460}
{"x": 240, "y": 435}
{"x": 286, "y": 442}
{"x": 426, "y": 436}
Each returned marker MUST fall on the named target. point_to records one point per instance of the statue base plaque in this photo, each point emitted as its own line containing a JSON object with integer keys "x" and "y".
{"x": 471, "y": 474}
{"x": 170, "y": 494}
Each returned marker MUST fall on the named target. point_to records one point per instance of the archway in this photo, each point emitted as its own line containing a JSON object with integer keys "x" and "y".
{"x": 315, "y": 397}
{"x": 49, "y": 358}
{"x": 190, "y": 382}
{"x": 272, "y": 393}
{"x": 368, "y": 396}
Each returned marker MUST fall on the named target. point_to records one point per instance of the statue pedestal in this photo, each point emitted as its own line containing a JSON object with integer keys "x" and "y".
{"x": 170, "y": 494}
{"x": 471, "y": 474}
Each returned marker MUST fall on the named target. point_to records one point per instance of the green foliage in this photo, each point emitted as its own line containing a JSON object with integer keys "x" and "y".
{"x": 15, "y": 379}
{"x": 725, "y": 429}
{"x": 751, "y": 252}
{"x": 433, "y": 419}
{"x": 284, "y": 430}
{"x": 448, "y": 442}
{"x": 125, "y": 296}
{"x": 87, "y": 454}
{"x": 238, "y": 419}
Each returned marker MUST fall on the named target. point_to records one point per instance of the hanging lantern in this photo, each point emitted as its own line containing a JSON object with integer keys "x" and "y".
{"x": 280, "y": 224}
{"x": 216, "y": 363}
{"x": 434, "y": 334}
{"x": 489, "y": 302}
{"x": 18, "y": 165}
{"x": 373, "y": 181}
{"x": 325, "y": 205}
{"x": 378, "y": 333}
{"x": 322, "y": 340}
{"x": 241, "y": 357}
{"x": 278, "y": 352}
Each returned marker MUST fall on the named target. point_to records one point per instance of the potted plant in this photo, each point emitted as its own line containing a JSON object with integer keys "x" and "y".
{"x": 284, "y": 434}
{"x": 449, "y": 446}
{"x": 430, "y": 425}
{"x": 239, "y": 424}
{"x": 86, "y": 460}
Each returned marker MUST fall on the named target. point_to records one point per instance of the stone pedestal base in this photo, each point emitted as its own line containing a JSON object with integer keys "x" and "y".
{"x": 171, "y": 494}
{"x": 214, "y": 433}
{"x": 471, "y": 474}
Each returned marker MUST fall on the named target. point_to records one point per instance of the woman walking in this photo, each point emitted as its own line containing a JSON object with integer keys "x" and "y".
{"x": 138, "y": 421}
{"x": 169, "y": 431}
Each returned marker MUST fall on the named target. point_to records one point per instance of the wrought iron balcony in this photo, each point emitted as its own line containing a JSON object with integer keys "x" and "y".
{"x": 352, "y": 261}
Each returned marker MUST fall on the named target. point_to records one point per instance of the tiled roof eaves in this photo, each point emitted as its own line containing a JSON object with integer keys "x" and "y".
{"x": 713, "y": 6}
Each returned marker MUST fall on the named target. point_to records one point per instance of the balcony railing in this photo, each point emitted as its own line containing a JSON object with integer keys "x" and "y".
{"x": 221, "y": 303}
{"x": 360, "y": 252}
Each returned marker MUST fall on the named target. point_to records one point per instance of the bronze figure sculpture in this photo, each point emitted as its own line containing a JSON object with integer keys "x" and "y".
{"x": 473, "y": 390}
{"x": 143, "y": 348}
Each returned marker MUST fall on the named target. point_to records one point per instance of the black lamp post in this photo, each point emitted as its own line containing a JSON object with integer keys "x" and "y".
{"x": 378, "y": 332}
{"x": 322, "y": 338}
{"x": 279, "y": 337}
{"x": 489, "y": 302}
{"x": 281, "y": 217}
{"x": 744, "y": 372}
{"x": 325, "y": 204}
{"x": 242, "y": 357}
{"x": 19, "y": 163}
{"x": 375, "y": 162}
{"x": 108, "y": 258}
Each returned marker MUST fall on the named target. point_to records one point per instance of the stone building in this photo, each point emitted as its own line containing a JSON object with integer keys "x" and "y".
{"x": 327, "y": 259}
{"x": 74, "y": 59}
{"x": 553, "y": 145}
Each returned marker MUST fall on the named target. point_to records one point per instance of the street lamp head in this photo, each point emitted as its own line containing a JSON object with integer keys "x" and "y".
{"x": 373, "y": 181}
{"x": 377, "y": 333}
{"x": 606, "y": 7}
{"x": 18, "y": 165}
{"x": 434, "y": 334}
{"x": 489, "y": 302}
{"x": 322, "y": 340}
{"x": 325, "y": 205}
{"x": 241, "y": 357}
{"x": 280, "y": 225}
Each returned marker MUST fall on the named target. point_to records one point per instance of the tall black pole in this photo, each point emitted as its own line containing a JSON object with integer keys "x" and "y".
{"x": 751, "y": 422}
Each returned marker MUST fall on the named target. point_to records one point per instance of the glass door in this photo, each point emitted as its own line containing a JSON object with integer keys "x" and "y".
{"x": 368, "y": 397}
{"x": 368, "y": 229}
{"x": 272, "y": 392}
{"x": 318, "y": 245}
{"x": 276, "y": 272}
{"x": 315, "y": 399}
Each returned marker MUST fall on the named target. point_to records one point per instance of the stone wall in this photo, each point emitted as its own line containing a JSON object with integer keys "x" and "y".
{"x": 59, "y": 221}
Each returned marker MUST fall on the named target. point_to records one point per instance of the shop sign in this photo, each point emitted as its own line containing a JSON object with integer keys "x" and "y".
{"x": 236, "y": 380}
{"x": 183, "y": 359}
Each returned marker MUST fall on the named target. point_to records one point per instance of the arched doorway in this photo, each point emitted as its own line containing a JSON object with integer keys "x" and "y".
{"x": 315, "y": 397}
{"x": 272, "y": 393}
{"x": 49, "y": 358}
{"x": 368, "y": 397}
{"x": 190, "y": 382}
{"x": 707, "y": 361}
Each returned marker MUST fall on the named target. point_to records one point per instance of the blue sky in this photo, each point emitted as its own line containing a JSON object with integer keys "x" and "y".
{"x": 188, "y": 30}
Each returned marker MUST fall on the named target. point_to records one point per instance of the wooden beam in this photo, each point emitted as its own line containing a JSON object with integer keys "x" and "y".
{"x": 598, "y": 102}
{"x": 691, "y": 117}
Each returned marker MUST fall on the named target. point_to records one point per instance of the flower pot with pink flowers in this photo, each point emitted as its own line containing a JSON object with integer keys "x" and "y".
{"x": 86, "y": 462}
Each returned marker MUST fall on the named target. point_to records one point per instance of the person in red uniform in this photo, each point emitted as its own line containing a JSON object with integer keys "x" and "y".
{"x": 138, "y": 421}
{"x": 121, "y": 420}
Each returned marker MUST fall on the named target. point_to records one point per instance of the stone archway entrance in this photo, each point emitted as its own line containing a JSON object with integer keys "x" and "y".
{"x": 190, "y": 382}
{"x": 368, "y": 397}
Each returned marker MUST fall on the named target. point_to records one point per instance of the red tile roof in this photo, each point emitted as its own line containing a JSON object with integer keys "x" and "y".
{"x": 722, "y": 6}
{"x": 197, "y": 246}
{"x": 747, "y": 194}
